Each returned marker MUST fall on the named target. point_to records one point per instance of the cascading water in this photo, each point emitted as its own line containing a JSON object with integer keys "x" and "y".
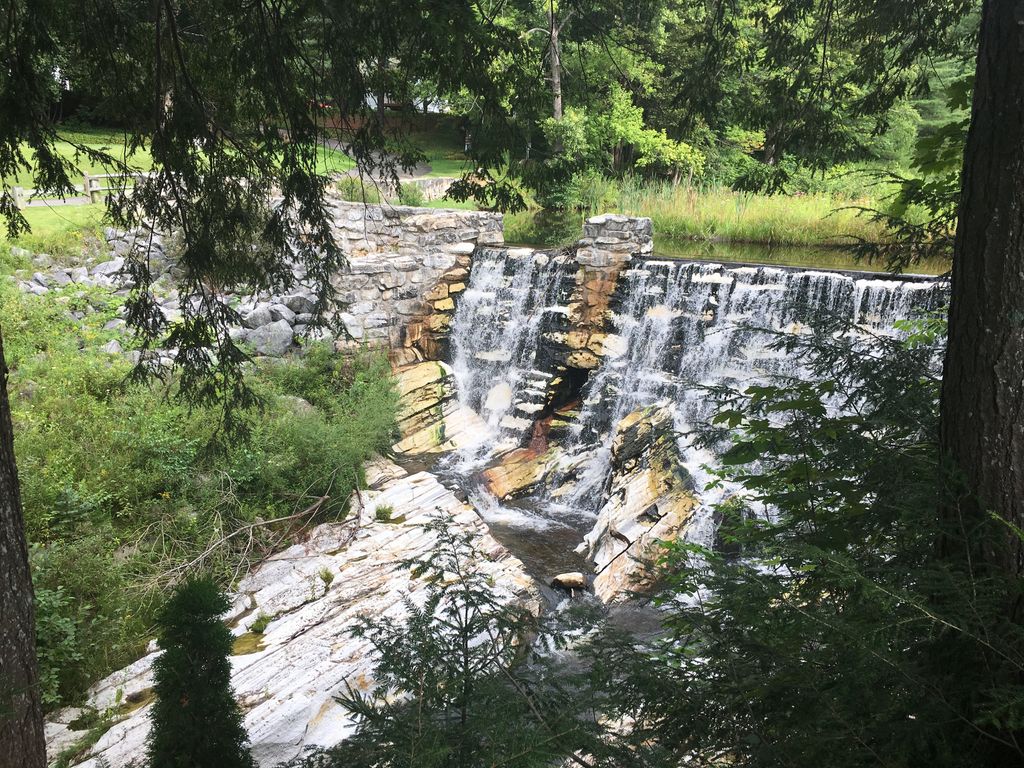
{"x": 688, "y": 326}
{"x": 677, "y": 328}
{"x": 509, "y": 301}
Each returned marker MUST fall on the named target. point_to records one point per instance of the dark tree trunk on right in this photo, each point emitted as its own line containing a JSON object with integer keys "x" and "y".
{"x": 21, "y": 715}
{"x": 982, "y": 427}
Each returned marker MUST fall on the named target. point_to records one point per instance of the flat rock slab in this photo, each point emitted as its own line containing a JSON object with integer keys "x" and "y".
{"x": 307, "y": 655}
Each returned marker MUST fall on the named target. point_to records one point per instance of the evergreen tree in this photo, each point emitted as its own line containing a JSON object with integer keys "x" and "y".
{"x": 196, "y": 722}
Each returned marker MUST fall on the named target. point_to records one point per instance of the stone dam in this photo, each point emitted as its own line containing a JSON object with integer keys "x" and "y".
{"x": 549, "y": 400}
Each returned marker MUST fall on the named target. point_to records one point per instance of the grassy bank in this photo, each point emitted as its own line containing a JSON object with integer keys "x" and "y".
{"x": 686, "y": 214}
{"x": 120, "y": 485}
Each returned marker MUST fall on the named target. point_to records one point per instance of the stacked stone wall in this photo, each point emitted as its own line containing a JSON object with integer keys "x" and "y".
{"x": 406, "y": 267}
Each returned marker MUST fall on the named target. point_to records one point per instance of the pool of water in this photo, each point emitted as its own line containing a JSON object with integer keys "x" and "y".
{"x": 551, "y": 229}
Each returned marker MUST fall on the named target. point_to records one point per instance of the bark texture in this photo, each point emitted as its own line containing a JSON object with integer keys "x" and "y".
{"x": 982, "y": 428}
{"x": 21, "y": 715}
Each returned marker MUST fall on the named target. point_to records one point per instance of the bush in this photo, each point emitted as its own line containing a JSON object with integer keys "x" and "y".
{"x": 196, "y": 721}
{"x": 356, "y": 190}
{"x": 410, "y": 194}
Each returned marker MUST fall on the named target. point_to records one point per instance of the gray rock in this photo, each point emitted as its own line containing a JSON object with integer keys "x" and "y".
{"x": 108, "y": 268}
{"x": 305, "y": 318}
{"x": 300, "y": 303}
{"x": 258, "y": 317}
{"x": 272, "y": 340}
{"x": 112, "y": 347}
{"x": 368, "y": 266}
{"x": 114, "y": 325}
{"x": 80, "y": 275}
{"x": 281, "y": 312}
{"x": 412, "y": 307}
{"x": 353, "y": 325}
{"x": 20, "y": 253}
{"x": 295, "y": 404}
{"x": 300, "y": 329}
{"x": 440, "y": 261}
{"x": 38, "y": 290}
{"x": 376, "y": 320}
{"x": 362, "y": 307}
{"x": 40, "y": 279}
{"x": 391, "y": 280}
{"x": 60, "y": 277}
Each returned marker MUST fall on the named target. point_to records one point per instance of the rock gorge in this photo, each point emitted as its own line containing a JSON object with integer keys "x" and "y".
{"x": 548, "y": 402}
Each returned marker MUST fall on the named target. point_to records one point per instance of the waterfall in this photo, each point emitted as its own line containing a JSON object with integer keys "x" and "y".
{"x": 689, "y": 326}
{"x": 677, "y": 328}
{"x": 511, "y": 297}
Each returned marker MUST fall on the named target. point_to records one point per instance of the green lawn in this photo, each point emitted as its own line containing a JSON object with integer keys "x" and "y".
{"x": 113, "y": 143}
{"x": 442, "y": 145}
{"x": 99, "y": 139}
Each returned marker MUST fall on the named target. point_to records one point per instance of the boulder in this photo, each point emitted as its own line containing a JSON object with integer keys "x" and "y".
{"x": 650, "y": 501}
{"x": 518, "y": 472}
{"x": 281, "y": 312}
{"x": 300, "y": 303}
{"x": 109, "y": 268}
{"x": 260, "y": 316}
{"x": 272, "y": 340}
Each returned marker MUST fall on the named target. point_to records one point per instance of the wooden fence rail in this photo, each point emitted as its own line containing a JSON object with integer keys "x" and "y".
{"x": 93, "y": 187}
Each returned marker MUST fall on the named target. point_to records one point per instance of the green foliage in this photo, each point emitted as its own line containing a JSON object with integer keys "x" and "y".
{"x": 57, "y": 641}
{"x": 410, "y": 194}
{"x": 828, "y": 630}
{"x": 357, "y": 190}
{"x": 260, "y": 623}
{"x": 196, "y": 721}
{"x": 454, "y": 683}
{"x": 119, "y": 485}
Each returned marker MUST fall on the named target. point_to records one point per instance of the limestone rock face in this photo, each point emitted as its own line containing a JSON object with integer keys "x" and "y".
{"x": 650, "y": 501}
{"x": 430, "y": 417}
{"x": 306, "y": 656}
{"x": 518, "y": 472}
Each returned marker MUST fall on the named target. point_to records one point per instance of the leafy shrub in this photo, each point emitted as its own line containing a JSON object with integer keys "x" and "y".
{"x": 260, "y": 623}
{"x": 357, "y": 190}
{"x": 410, "y": 194}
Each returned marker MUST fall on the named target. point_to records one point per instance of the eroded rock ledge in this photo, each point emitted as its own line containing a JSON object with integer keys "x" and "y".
{"x": 305, "y": 656}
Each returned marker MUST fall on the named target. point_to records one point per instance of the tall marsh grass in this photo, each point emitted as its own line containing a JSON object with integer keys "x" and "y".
{"x": 713, "y": 214}
{"x": 717, "y": 214}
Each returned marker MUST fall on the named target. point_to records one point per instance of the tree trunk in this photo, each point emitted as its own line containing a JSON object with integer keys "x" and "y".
{"x": 982, "y": 425}
{"x": 21, "y": 715}
{"x": 555, "y": 62}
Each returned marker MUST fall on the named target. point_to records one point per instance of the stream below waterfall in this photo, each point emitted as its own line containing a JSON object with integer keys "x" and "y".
{"x": 677, "y": 328}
